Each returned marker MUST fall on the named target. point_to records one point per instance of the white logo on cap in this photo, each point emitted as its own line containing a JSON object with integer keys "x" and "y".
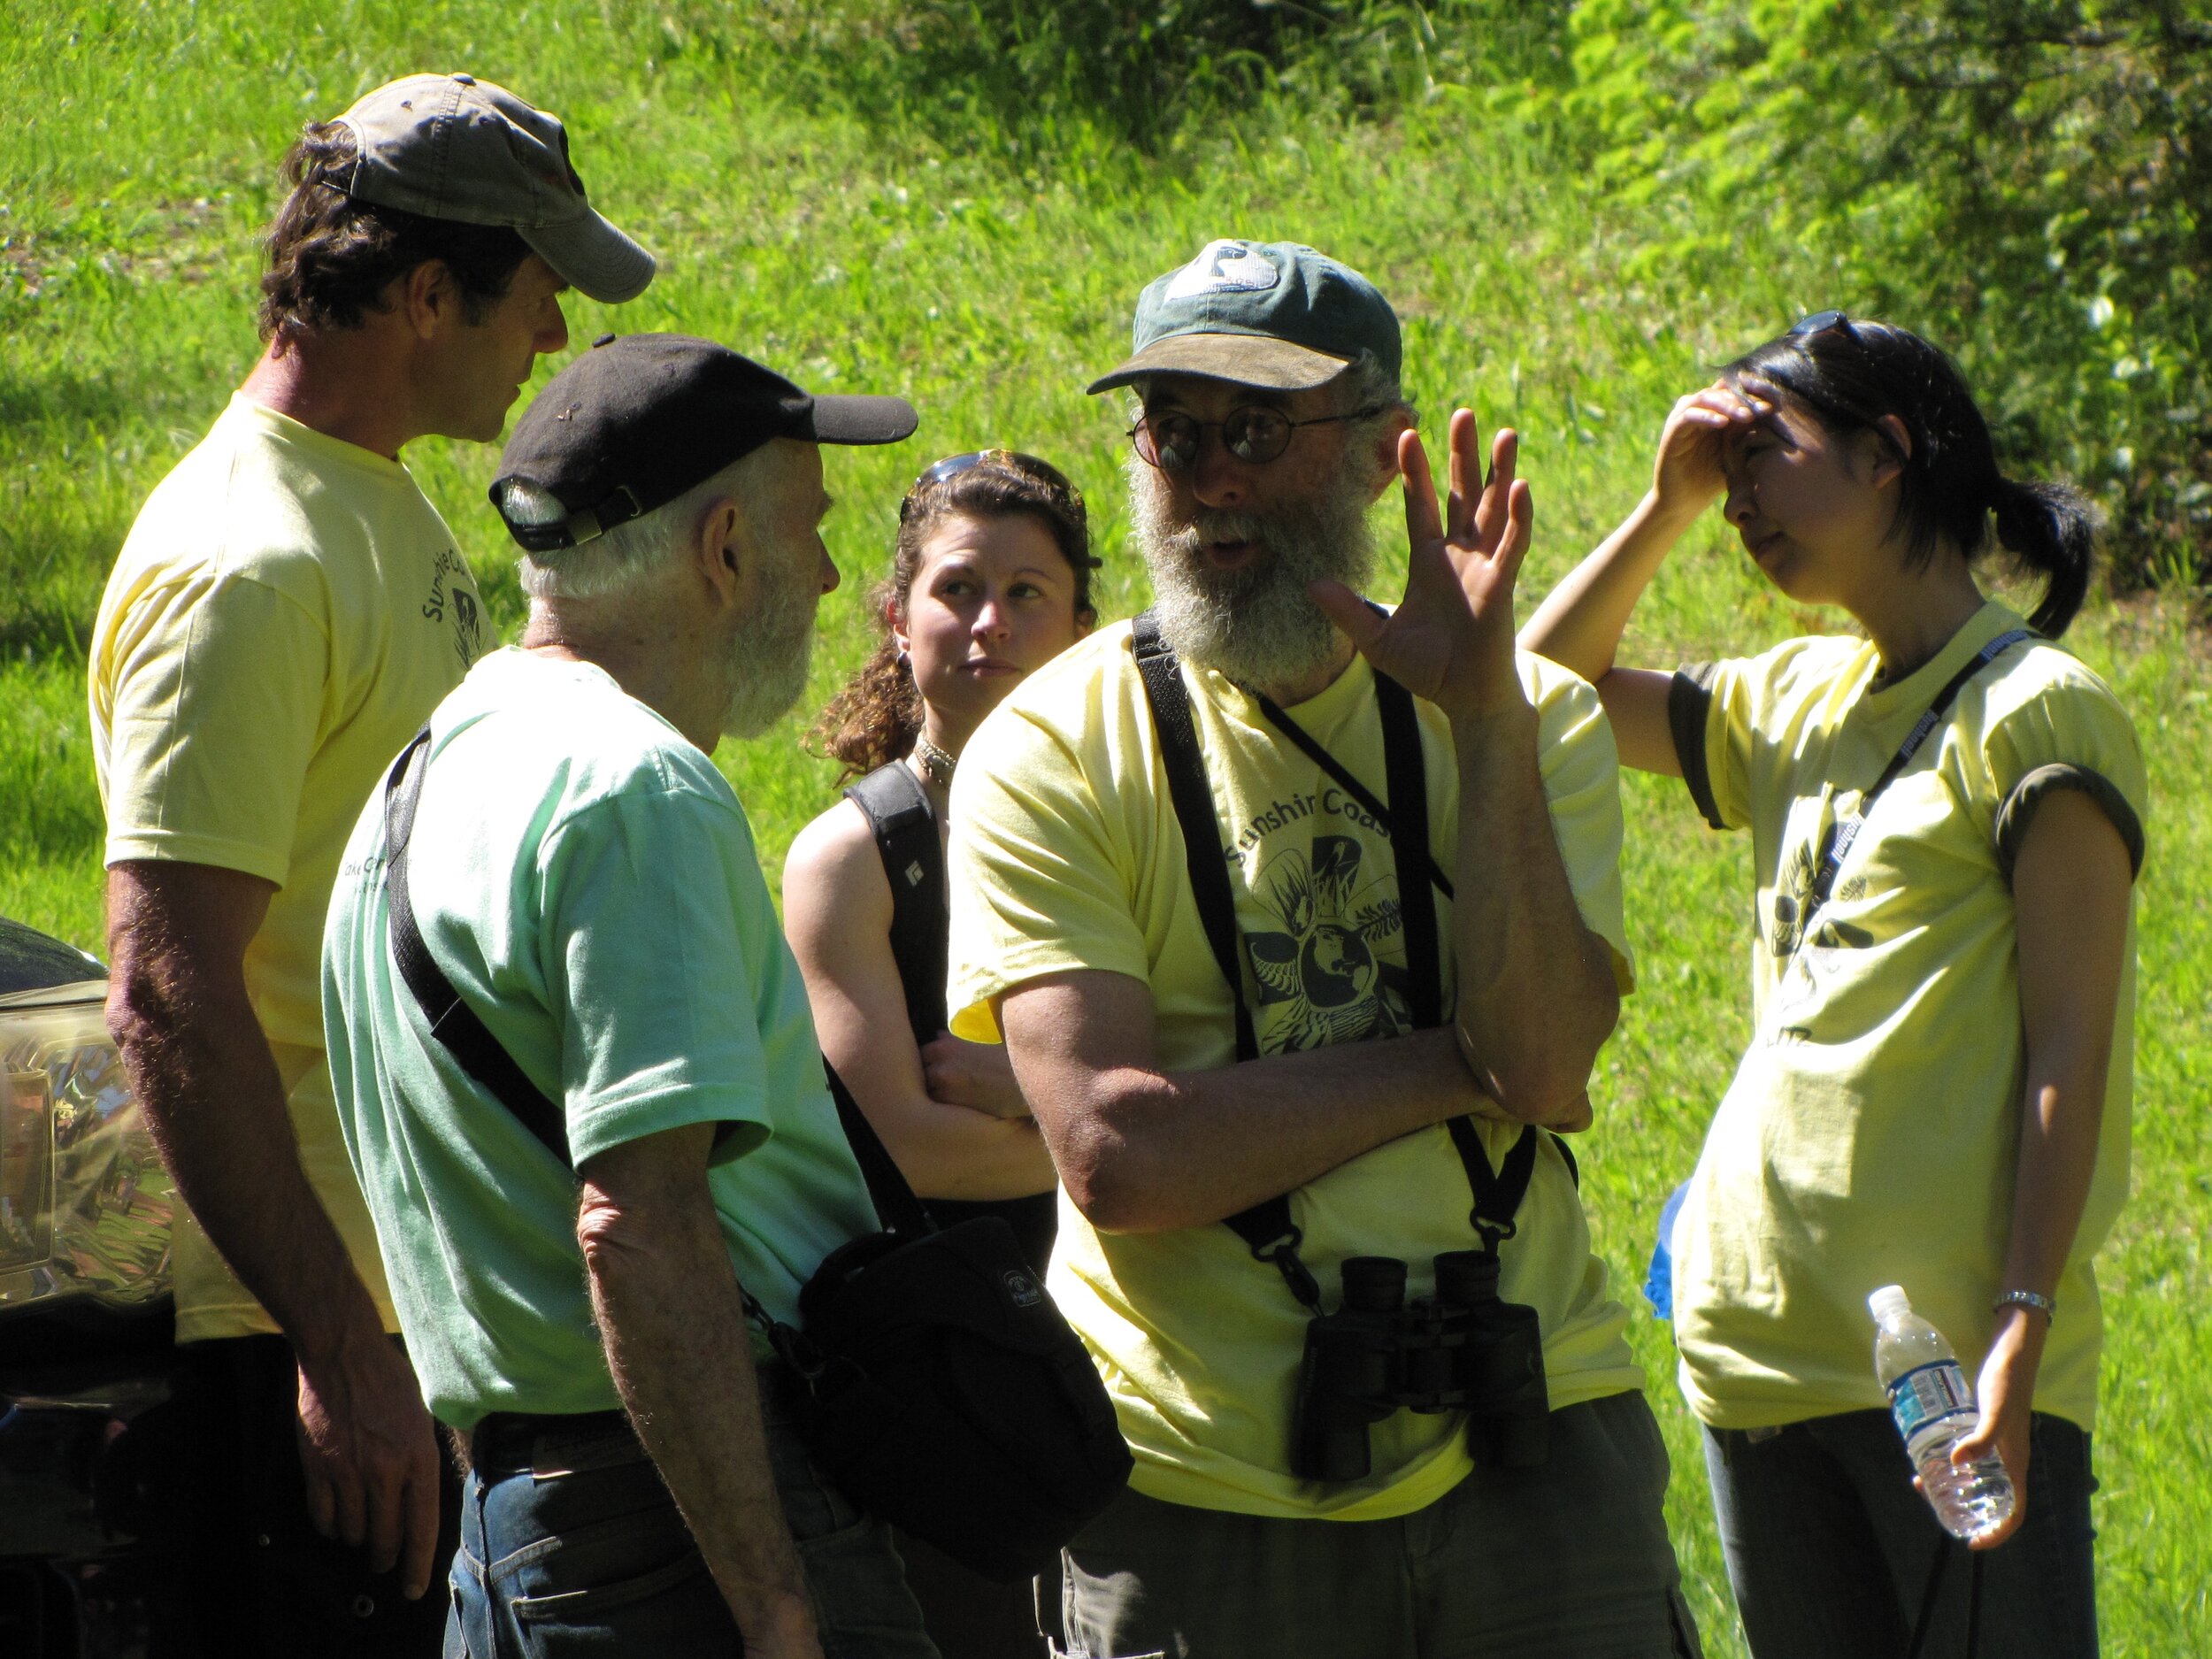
{"x": 1224, "y": 267}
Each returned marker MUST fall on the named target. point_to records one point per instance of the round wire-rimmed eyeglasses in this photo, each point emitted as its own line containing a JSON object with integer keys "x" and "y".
{"x": 1254, "y": 432}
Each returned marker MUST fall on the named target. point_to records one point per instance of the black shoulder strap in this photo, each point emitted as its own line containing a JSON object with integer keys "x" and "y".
{"x": 1406, "y": 774}
{"x": 484, "y": 1057}
{"x": 452, "y": 1022}
{"x": 1266, "y": 1227}
{"x": 897, "y": 809}
{"x": 1193, "y": 802}
{"x": 896, "y": 1206}
{"x": 1839, "y": 847}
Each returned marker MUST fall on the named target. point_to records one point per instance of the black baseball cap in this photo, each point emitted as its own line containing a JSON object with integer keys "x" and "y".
{"x": 640, "y": 418}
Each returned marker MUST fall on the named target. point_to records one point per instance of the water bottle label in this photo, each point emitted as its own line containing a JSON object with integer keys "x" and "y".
{"x": 1923, "y": 1398}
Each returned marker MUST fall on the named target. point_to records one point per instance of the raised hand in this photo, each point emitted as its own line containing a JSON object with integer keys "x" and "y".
{"x": 1451, "y": 639}
{"x": 1687, "y": 473}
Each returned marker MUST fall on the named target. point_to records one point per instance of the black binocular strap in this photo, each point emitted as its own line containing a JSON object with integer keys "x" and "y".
{"x": 1946, "y": 1548}
{"x": 1497, "y": 1195}
{"x": 1267, "y": 1228}
{"x": 1402, "y": 740}
{"x": 484, "y": 1057}
{"x": 1407, "y": 776}
{"x": 1193, "y": 799}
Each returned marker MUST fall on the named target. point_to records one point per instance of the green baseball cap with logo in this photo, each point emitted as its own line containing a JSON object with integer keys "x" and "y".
{"x": 456, "y": 148}
{"x": 1273, "y": 314}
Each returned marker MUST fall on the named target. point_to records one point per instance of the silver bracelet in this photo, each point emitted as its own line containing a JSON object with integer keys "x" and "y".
{"x": 2041, "y": 1303}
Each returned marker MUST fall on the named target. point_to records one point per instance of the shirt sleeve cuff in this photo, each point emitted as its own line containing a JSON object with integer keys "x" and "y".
{"x": 2018, "y": 811}
{"x": 601, "y": 1127}
{"x": 220, "y": 853}
{"x": 1689, "y": 712}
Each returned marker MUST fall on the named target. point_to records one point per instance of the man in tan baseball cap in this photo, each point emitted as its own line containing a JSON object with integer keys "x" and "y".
{"x": 287, "y": 609}
{"x": 452, "y": 147}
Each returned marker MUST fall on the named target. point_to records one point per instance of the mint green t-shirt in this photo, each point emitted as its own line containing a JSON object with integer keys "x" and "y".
{"x": 589, "y": 884}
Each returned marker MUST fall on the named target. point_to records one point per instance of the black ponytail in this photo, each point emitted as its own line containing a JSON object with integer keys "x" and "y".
{"x": 2050, "y": 528}
{"x": 1851, "y": 374}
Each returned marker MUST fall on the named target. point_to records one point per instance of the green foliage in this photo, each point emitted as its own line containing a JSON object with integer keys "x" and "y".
{"x": 2028, "y": 183}
{"x": 50, "y": 824}
{"x": 1037, "y": 74}
{"x": 1049, "y": 80}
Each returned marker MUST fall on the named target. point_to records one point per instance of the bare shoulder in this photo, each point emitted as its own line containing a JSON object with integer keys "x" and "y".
{"x": 832, "y": 877}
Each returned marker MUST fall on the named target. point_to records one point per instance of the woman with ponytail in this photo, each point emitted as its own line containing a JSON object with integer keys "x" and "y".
{"x": 990, "y": 578}
{"x": 1945, "y": 815}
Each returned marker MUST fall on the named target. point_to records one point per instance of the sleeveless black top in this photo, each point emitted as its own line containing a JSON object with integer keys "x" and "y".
{"x": 913, "y": 854}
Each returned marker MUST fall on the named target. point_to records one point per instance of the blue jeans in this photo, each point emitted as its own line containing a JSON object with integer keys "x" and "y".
{"x": 1830, "y": 1548}
{"x": 584, "y": 1552}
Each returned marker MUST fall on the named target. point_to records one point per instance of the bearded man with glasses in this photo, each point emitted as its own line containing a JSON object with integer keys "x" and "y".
{"x": 1301, "y": 922}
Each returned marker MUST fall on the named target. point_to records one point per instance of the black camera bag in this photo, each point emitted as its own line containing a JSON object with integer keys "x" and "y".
{"x": 943, "y": 1390}
{"x": 933, "y": 1380}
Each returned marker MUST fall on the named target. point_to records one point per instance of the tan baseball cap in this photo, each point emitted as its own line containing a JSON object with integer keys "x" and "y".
{"x": 456, "y": 148}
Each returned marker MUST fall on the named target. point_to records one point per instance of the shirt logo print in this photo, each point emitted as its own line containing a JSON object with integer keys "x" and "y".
{"x": 448, "y": 594}
{"x": 1322, "y": 977}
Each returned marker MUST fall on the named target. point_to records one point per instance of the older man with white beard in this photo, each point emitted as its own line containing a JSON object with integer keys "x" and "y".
{"x": 572, "y": 1054}
{"x": 1301, "y": 924}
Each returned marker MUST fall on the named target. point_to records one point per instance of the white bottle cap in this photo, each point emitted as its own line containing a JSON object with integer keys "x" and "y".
{"x": 1888, "y": 1302}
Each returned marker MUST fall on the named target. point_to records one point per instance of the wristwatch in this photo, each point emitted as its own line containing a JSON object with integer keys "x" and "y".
{"x": 2041, "y": 1303}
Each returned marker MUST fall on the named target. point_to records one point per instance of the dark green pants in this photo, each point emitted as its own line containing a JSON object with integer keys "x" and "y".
{"x": 1568, "y": 1560}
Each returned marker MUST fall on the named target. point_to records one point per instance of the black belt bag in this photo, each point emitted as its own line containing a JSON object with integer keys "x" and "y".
{"x": 936, "y": 1383}
{"x": 942, "y": 1389}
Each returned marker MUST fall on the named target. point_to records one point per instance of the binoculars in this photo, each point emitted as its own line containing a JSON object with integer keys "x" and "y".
{"x": 1462, "y": 1350}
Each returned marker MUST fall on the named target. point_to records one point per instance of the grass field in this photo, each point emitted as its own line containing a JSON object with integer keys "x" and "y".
{"x": 984, "y": 280}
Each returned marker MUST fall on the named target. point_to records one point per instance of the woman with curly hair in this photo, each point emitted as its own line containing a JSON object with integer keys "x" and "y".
{"x": 990, "y": 578}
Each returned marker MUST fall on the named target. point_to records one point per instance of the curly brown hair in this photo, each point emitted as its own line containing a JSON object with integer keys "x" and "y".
{"x": 875, "y": 718}
{"x": 331, "y": 256}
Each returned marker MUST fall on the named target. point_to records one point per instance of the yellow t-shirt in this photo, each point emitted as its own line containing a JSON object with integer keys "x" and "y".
{"x": 1870, "y": 1133}
{"x": 1066, "y": 854}
{"x": 285, "y": 614}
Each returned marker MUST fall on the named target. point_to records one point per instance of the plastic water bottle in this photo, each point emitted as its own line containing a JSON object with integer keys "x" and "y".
{"x": 1933, "y": 1404}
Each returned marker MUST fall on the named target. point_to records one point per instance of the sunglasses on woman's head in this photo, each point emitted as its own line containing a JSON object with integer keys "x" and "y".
{"x": 1007, "y": 460}
{"x": 1819, "y": 323}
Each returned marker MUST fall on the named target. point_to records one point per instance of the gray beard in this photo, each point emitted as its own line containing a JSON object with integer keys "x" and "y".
{"x": 768, "y": 659}
{"x": 1258, "y": 625}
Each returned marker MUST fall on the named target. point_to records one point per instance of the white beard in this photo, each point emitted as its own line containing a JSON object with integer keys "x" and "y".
{"x": 768, "y": 659}
{"x": 1258, "y": 625}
